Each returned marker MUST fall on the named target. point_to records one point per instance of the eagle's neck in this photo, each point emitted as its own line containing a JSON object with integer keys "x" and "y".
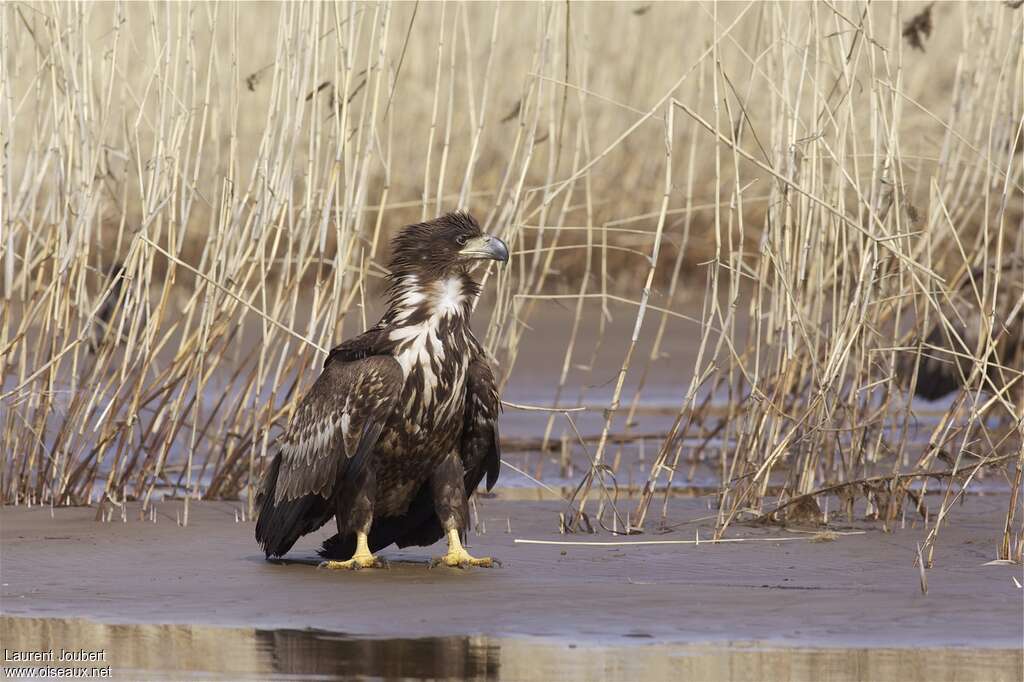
{"x": 414, "y": 299}
{"x": 428, "y": 323}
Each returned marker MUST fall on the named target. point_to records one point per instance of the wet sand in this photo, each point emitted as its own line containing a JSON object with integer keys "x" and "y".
{"x": 858, "y": 592}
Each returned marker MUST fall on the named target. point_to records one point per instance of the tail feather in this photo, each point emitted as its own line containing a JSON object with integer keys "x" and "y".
{"x": 280, "y": 525}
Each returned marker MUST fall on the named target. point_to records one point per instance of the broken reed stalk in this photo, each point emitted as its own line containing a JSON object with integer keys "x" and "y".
{"x": 819, "y": 196}
{"x": 697, "y": 541}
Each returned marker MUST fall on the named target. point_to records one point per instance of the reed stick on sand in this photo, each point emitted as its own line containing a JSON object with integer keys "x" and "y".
{"x": 628, "y": 543}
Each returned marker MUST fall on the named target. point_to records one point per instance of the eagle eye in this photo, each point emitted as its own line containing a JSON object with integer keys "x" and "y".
{"x": 462, "y": 239}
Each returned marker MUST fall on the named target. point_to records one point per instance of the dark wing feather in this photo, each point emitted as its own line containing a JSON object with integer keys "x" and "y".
{"x": 480, "y": 452}
{"x": 373, "y": 341}
{"x": 328, "y": 441}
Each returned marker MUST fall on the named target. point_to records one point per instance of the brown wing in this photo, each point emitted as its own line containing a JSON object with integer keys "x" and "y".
{"x": 374, "y": 341}
{"x": 328, "y": 441}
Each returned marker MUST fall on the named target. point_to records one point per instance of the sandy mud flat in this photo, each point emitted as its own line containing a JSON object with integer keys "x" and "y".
{"x": 161, "y": 599}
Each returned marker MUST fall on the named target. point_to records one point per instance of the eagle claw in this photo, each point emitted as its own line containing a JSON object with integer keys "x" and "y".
{"x": 464, "y": 560}
{"x": 354, "y": 564}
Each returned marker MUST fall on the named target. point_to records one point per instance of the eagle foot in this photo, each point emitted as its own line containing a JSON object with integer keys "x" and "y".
{"x": 464, "y": 560}
{"x": 458, "y": 557}
{"x": 354, "y": 564}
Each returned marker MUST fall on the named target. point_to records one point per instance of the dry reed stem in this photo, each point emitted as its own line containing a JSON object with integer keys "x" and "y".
{"x": 822, "y": 195}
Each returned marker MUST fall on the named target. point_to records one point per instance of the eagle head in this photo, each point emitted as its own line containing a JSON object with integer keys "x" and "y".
{"x": 443, "y": 246}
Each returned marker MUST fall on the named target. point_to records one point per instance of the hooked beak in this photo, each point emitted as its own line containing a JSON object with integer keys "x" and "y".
{"x": 487, "y": 247}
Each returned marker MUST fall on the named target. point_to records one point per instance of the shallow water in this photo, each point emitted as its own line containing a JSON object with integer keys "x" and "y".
{"x": 172, "y": 651}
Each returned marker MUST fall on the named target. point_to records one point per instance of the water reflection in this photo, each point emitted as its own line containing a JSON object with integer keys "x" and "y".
{"x": 183, "y": 651}
{"x": 312, "y": 652}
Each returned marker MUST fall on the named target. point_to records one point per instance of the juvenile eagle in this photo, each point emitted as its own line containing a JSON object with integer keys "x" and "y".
{"x": 402, "y": 424}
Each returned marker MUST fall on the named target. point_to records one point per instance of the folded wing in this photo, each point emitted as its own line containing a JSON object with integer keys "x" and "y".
{"x": 327, "y": 443}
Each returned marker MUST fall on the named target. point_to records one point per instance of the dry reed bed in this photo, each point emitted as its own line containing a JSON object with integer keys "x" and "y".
{"x": 824, "y": 182}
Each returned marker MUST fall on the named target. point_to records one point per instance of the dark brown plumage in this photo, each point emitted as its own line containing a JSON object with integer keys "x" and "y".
{"x": 402, "y": 425}
{"x": 947, "y": 351}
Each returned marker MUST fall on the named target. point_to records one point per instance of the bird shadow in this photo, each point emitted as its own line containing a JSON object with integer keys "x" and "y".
{"x": 389, "y": 563}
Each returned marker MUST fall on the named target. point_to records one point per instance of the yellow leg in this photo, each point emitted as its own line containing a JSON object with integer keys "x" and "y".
{"x": 458, "y": 556}
{"x": 362, "y": 558}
